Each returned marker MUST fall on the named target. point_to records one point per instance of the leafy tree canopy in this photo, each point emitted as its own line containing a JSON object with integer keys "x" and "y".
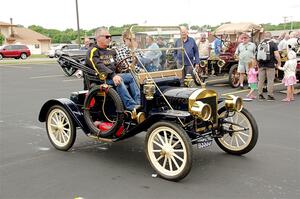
{"x": 69, "y": 34}
{"x": 1, "y": 39}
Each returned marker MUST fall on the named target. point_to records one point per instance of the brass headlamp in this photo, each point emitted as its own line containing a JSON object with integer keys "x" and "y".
{"x": 234, "y": 103}
{"x": 221, "y": 63}
{"x": 203, "y": 63}
{"x": 149, "y": 89}
{"x": 201, "y": 110}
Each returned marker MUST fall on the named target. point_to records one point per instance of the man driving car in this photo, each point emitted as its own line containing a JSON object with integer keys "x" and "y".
{"x": 102, "y": 59}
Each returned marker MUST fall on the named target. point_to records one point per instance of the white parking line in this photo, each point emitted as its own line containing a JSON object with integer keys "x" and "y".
{"x": 46, "y": 76}
{"x": 13, "y": 66}
{"x": 71, "y": 80}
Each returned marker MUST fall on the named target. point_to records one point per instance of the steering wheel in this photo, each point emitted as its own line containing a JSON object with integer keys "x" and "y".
{"x": 126, "y": 63}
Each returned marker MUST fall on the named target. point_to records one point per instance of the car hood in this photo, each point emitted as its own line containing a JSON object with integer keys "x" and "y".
{"x": 182, "y": 92}
{"x": 185, "y": 97}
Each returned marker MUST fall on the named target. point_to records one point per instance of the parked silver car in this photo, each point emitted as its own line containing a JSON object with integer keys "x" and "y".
{"x": 66, "y": 47}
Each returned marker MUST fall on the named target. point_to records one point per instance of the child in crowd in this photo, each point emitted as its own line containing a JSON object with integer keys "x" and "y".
{"x": 252, "y": 78}
{"x": 289, "y": 78}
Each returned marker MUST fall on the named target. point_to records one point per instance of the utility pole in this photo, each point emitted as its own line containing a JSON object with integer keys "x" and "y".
{"x": 285, "y": 20}
{"x": 78, "y": 29}
{"x": 291, "y": 22}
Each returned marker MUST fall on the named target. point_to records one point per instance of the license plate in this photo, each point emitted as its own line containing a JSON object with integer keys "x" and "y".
{"x": 205, "y": 144}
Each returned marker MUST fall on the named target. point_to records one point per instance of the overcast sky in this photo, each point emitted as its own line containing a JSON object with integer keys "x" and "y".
{"x": 61, "y": 14}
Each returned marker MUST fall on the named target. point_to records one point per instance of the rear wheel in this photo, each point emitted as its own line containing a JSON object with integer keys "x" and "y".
{"x": 1, "y": 56}
{"x": 168, "y": 149}
{"x": 60, "y": 128}
{"x": 245, "y": 134}
{"x": 234, "y": 76}
{"x": 23, "y": 56}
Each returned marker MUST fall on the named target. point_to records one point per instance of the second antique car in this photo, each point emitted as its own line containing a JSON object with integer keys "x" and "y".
{"x": 227, "y": 62}
{"x": 175, "y": 117}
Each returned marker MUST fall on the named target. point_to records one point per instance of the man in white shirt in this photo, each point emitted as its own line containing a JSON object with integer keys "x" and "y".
{"x": 245, "y": 51}
{"x": 292, "y": 42}
{"x": 203, "y": 46}
{"x": 283, "y": 43}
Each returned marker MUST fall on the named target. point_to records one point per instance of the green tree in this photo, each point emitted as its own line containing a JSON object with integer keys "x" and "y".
{"x": 2, "y": 38}
{"x": 195, "y": 27}
{"x": 184, "y": 24}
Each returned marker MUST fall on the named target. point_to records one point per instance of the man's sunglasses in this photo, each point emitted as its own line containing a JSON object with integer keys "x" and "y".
{"x": 106, "y": 36}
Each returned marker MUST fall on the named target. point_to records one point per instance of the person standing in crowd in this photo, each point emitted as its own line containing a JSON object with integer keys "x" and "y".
{"x": 283, "y": 43}
{"x": 79, "y": 73}
{"x": 252, "y": 78}
{"x": 245, "y": 52}
{"x": 292, "y": 42}
{"x": 268, "y": 57}
{"x": 204, "y": 49}
{"x": 87, "y": 44}
{"x": 203, "y": 46}
{"x": 101, "y": 59}
{"x": 289, "y": 78}
{"x": 161, "y": 43}
{"x": 191, "y": 57}
{"x": 151, "y": 56}
{"x": 217, "y": 46}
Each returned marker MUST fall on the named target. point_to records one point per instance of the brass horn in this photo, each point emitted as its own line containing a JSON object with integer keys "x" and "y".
{"x": 221, "y": 63}
{"x": 203, "y": 63}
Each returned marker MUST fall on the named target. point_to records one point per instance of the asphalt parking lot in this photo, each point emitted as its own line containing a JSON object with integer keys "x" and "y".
{"x": 31, "y": 168}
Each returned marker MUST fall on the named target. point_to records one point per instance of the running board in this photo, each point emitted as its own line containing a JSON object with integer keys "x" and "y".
{"x": 101, "y": 139}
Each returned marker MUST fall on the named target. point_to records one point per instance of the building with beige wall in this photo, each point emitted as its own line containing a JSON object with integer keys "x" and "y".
{"x": 36, "y": 42}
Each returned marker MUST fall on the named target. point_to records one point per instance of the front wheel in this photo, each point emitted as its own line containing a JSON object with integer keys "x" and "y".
{"x": 245, "y": 134}
{"x": 234, "y": 76}
{"x": 168, "y": 149}
{"x": 23, "y": 56}
{"x": 60, "y": 128}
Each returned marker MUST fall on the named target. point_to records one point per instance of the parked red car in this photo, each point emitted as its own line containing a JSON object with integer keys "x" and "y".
{"x": 15, "y": 51}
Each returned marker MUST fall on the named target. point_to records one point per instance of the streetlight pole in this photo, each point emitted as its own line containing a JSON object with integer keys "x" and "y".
{"x": 78, "y": 29}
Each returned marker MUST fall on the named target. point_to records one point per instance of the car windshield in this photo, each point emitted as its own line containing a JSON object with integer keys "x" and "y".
{"x": 154, "y": 47}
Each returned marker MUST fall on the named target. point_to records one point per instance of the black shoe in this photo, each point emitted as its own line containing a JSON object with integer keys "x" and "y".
{"x": 270, "y": 98}
{"x": 261, "y": 97}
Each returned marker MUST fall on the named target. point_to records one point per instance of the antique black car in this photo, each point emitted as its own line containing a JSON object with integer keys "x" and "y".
{"x": 174, "y": 116}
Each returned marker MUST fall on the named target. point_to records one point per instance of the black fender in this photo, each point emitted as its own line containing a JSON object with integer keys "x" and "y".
{"x": 74, "y": 111}
{"x": 170, "y": 115}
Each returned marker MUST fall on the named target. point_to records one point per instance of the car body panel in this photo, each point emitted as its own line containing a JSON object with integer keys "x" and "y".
{"x": 14, "y": 51}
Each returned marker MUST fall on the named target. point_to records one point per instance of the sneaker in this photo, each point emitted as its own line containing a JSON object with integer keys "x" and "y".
{"x": 286, "y": 100}
{"x": 261, "y": 97}
{"x": 270, "y": 98}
